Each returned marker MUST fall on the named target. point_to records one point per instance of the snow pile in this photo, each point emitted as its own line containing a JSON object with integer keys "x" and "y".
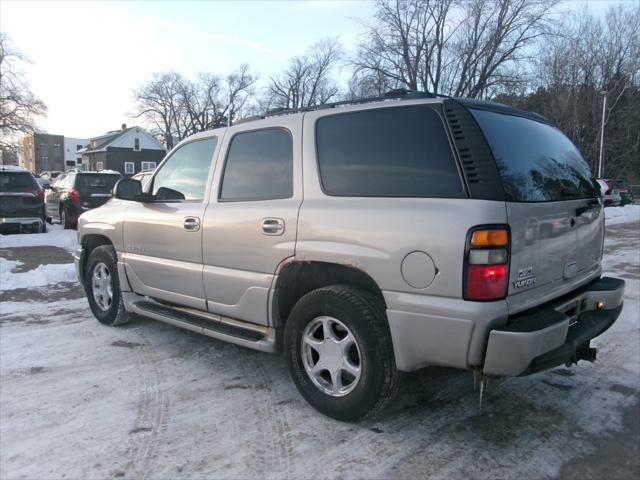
{"x": 56, "y": 236}
{"x": 38, "y": 277}
{"x": 628, "y": 213}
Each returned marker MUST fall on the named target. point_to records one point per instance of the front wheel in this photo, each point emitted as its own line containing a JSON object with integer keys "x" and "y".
{"x": 339, "y": 352}
{"x": 103, "y": 287}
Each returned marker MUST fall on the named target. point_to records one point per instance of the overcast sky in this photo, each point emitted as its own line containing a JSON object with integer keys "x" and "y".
{"x": 88, "y": 56}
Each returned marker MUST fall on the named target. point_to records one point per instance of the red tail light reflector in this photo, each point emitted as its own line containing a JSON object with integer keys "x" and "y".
{"x": 487, "y": 282}
{"x": 486, "y": 264}
{"x": 74, "y": 195}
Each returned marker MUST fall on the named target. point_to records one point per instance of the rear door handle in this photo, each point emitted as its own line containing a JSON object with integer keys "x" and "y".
{"x": 191, "y": 224}
{"x": 272, "y": 226}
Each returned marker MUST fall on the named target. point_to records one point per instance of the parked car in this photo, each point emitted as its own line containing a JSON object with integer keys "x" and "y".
{"x": 43, "y": 182}
{"x": 626, "y": 194}
{"x": 74, "y": 193}
{"x": 610, "y": 192}
{"x": 365, "y": 240}
{"x": 144, "y": 176}
{"x": 21, "y": 201}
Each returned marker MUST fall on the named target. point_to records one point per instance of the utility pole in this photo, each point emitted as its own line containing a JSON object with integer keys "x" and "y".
{"x": 604, "y": 113}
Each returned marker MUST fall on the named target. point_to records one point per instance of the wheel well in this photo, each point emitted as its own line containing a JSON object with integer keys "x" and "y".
{"x": 90, "y": 242}
{"x": 299, "y": 278}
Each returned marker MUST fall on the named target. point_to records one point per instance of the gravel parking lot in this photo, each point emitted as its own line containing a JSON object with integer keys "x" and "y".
{"x": 81, "y": 400}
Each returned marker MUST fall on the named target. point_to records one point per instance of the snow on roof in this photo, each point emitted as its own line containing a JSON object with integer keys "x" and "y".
{"x": 113, "y": 172}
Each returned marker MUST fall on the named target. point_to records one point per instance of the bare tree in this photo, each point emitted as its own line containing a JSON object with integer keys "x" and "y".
{"x": 450, "y": 46}
{"x": 178, "y": 107}
{"x": 307, "y": 80}
{"x": 585, "y": 57}
{"x": 19, "y": 107}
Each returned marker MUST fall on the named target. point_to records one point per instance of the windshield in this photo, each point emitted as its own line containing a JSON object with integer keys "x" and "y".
{"x": 17, "y": 182}
{"x": 537, "y": 162}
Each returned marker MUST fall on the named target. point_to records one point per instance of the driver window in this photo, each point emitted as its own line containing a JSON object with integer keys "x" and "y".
{"x": 184, "y": 175}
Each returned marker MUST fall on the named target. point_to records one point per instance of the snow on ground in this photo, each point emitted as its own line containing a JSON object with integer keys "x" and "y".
{"x": 38, "y": 277}
{"x": 56, "y": 236}
{"x": 628, "y": 213}
{"x": 147, "y": 400}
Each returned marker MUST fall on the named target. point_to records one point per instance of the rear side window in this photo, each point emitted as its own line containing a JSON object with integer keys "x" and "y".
{"x": 259, "y": 166}
{"x": 96, "y": 183}
{"x": 392, "y": 152}
{"x": 536, "y": 161}
{"x": 17, "y": 182}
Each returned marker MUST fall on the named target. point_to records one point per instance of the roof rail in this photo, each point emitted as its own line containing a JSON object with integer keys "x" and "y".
{"x": 399, "y": 93}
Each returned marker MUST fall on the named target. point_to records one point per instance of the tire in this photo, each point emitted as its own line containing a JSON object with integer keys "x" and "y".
{"x": 43, "y": 228}
{"x": 342, "y": 311}
{"x": 64, "y": 218}
{"x": 103, "y": 264}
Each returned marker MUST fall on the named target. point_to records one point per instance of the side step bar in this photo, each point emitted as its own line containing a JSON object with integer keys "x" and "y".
{"x": 222, "y": 328}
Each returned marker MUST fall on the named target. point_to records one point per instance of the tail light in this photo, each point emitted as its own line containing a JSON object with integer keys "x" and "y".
{"x": 39, "y": 193}
{"x": 74, "y": 195}
{"x": 486, "y": 266}
{"x": 608, "y": 190}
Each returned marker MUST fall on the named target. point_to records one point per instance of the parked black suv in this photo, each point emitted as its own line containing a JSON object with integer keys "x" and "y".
{"x": 21, "y": 201}
{"x": 74, "y": 193}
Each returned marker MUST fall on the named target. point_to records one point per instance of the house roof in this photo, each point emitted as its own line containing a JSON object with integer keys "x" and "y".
{"x": 105, "y": 140}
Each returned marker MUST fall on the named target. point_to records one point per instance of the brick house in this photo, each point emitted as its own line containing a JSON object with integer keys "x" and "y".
{"x": 128, "y": 151}
{"x": 42, "y": 152}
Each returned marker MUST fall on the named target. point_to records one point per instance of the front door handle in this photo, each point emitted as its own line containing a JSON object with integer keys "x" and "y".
{"x": 191, "y": 224}
{"x": 272, "y": 226}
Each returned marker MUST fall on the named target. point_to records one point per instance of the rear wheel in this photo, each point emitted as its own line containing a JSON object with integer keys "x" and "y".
{"x": 64, "y": 218}
{"x": 103, "y": 287}
{"x": 339, "y": 352}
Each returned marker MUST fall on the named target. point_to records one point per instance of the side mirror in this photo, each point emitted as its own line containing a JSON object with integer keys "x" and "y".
{"x": 128, "y": 189}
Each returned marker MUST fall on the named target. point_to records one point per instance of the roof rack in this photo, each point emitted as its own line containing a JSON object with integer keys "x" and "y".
{"x": 398, "y": 94}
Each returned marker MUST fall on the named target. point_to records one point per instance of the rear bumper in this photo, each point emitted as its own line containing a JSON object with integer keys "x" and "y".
{"x": 556, "y": 333}
{"x": 21, "y": 222}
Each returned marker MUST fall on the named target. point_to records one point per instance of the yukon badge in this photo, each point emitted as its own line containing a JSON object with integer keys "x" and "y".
{"x": 525, "y": 278}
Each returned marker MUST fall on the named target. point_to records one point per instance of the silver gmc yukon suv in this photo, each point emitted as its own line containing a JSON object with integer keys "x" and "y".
{"x": 365, "y": 239}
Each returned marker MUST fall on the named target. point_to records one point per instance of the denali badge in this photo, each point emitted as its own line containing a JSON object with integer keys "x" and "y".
{"x": 525, "y": 278}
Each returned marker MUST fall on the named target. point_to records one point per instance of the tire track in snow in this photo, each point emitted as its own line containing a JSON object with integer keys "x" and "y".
{"x": 273, "y": 425}
{"x": 152, "y": 412}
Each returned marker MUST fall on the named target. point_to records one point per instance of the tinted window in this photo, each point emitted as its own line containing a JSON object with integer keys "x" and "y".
{"x": 536, "y": 161}
{"x": 259, "y": 166}
{"x": 184, "y": 175}
{"x": 17, "y": 182}
{"x": 96, "y": 183}
{"x": 393, "y": 152}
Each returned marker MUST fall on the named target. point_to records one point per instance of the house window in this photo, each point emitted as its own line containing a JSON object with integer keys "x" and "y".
{"x": 99, "y": 166}
{"x": 129, "y": 168}
{"x": 136, "y": 144}
{"x": 148, "y": 165}
{"x": 78, "y": 147}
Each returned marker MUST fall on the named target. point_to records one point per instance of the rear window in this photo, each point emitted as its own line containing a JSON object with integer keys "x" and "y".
{"x": 17, "y": 182}
{"x": 391, "y": 152}
{"x": 536, "y": 161}
{"x": 96, "y": 182}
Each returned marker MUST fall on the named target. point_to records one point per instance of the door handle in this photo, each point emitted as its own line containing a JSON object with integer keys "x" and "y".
{"x": 191, "y": 224}
{"x": 272, "y": 226}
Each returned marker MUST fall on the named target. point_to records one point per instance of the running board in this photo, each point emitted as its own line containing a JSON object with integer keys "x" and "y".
{"x": 222, "y": 328}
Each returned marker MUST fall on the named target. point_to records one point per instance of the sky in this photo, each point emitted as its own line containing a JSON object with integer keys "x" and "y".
{"x": 87, "y": 57}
